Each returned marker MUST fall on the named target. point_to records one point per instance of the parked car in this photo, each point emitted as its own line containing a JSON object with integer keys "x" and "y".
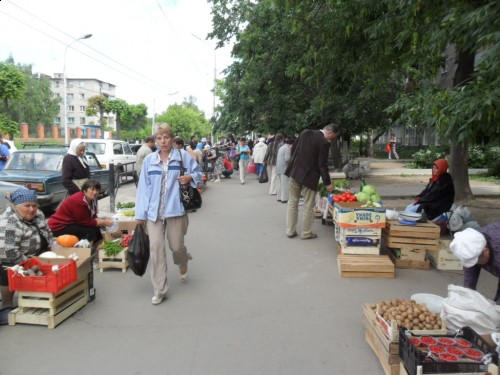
{"x": 40, "y": 170}
{"x": 6, "y": 188}
{"x": 111, "y": 151}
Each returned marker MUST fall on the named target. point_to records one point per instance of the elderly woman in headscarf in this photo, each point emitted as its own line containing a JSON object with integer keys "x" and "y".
{"x": 438, "y": 195}
{"x": 75, "y": 169}
{"x": 478, "y": 249}
{"x": 23, "y": 233}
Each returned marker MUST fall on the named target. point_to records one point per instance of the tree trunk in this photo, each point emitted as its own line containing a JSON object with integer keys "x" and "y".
{"x": 460, "y": 172}
{"x": 336, "y": 154}
{"x": 459, "y": 168}
{"x": 101, "y": 120}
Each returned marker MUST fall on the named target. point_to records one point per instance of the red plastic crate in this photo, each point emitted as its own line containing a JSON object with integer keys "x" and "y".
{"x": 51, "y": 282}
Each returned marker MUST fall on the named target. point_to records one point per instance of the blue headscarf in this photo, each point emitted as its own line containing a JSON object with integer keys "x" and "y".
{"x": 22, "y": 195}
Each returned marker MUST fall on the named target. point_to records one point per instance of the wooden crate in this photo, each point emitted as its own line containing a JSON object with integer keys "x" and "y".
{"x": 377, "y": 266}
{"x": 423, "y": 236}
{"x": 386, "y": 351}
{"x": 49, "y": 309}
{"x": 410, "y": 263}
{"x": 391, "y": 331}
{"x": 118, "y": 261}
{"x": 404, "y": 258}
{"x": 358, "y": 250}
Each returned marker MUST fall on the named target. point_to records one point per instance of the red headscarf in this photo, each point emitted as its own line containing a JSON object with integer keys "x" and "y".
{"x": 442, "y": 168}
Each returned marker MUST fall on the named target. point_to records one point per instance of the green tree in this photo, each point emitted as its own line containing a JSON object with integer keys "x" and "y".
{"x": 12, "y": 84}
{"x": 120, "y": 108}
{"x": 185, "y": 119}
{"x": 135, "y": 117}
{"x": 97, "y": 104}
{"x": 7, "y": 126}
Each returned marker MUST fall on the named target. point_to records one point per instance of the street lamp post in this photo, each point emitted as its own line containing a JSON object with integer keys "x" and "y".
{"x": 215, "y": 81}
{"x": 65, "y": 94}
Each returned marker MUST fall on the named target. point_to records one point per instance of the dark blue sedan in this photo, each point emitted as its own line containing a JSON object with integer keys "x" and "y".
{"x": 40, "y": 170}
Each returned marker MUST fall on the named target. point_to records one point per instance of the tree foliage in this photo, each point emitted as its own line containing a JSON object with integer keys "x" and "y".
{"x": 185, "y": 120}
{"x": 12, "y": 83}
{"x": 363, "y": 64}
{"x": 33, "y": 102}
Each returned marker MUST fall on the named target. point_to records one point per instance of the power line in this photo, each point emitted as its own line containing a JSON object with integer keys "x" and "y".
{"x": 152, "y": 82}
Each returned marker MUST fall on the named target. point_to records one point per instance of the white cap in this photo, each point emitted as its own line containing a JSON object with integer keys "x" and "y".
{"x": 207, "y": 147}
{"x": 468, "y": 246}
{"x": 262, "y": 140}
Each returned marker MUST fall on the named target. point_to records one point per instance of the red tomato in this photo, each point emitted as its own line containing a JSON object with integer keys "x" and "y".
{"x": 348, "y": 193}
{"x": 352, "y": 199}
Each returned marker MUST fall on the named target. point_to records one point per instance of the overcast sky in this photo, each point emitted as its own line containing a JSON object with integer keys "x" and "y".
{"x": 146, "y": 48}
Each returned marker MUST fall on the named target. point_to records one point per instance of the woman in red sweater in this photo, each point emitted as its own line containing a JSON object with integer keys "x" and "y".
{"x": 77, "y": 215}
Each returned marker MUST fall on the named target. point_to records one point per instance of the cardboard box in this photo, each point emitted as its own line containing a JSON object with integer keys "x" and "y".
{"x": 352, "y": 215}
{"x": 124, "y": 227}
{"x": 443, "y": 259}
{"x": 84, "y": 264}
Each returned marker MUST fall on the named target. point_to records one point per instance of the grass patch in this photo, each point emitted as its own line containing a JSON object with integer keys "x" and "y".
{"x": 407, "y": 175}
{"x": 484, "y": 177}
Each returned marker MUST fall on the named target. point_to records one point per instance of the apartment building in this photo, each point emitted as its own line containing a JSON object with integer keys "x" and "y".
{"x": 78, "y": 91}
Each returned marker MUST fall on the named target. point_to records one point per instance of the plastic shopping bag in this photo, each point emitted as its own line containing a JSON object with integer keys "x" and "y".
{"x": 138, "y": 251}
{"x": 263, "y": 178}
{"x": 388, "y": 148}
{"x": 252, "y": 168}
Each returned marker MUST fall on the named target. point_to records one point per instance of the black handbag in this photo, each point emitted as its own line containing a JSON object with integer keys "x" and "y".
{"x": 190, "y": 196}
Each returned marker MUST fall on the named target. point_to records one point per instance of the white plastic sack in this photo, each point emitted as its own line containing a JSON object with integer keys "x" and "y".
{"x": 466, "y": 307}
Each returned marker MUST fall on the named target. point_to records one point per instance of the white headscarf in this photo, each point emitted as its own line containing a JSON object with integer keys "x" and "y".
{"x": 73, "y": 146}
{"x": 468, "y": 246}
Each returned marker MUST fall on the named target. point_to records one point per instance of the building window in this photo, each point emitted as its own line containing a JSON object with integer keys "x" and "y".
{"x": 71, "y": 108}
{"x": 57, "y": 95}
{"x": 58, "y": 120}
{"x": 70, "y": 83}
{"x": 82, "y": 83}
{"x": 82, "y": 108}
{"x": 82, "y": 96}
{"x": 70, "y": 96}
{"x": 56, "y": 83}
{"x": 82, "y": 120}
{"x": 71, "y": 121}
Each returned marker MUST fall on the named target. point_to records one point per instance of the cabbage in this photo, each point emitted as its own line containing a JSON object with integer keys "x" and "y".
{"x": 375, "y": 198}
{"x": 369, "y": 189}
{"x": 362, "y": 197}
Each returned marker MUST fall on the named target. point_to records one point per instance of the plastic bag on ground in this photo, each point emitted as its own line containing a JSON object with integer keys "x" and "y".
{"x": 138, "y": 251}
{"x": 466, "y": 307}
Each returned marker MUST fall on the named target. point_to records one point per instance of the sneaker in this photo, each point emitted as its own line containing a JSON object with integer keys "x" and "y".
{"x": 157, "y": 300}
{"x": 301, "y": 201}
{"x": 95, "y": 264}
{"x": 183, "y": 270}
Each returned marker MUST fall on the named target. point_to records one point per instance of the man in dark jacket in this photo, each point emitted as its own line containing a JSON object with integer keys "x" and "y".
{"x": 479, "y": 249}
{"x": 309, "y": 162}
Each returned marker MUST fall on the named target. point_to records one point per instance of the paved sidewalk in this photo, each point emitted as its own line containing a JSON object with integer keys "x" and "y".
{"x": 256, "y": 302}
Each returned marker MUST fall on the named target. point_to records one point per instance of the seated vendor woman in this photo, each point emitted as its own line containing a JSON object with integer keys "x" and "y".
{"x": 23, "y": 233}
{"x": 77, "y": 215}
{"x": 479, "y": 249}
{"x": 438, "y": 195}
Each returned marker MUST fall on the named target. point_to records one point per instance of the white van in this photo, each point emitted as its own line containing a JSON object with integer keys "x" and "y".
{"x": 112, "y": 151}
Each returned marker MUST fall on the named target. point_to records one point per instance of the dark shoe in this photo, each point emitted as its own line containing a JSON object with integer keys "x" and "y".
{"x": 310, "y": 237}
{"x": 292, "y": 235}
{"x": 4, "y": 315}
{"x": 284, "y": 201}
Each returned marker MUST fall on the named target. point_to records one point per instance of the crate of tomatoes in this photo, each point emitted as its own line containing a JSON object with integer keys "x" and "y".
{"x": 347, "y": 196}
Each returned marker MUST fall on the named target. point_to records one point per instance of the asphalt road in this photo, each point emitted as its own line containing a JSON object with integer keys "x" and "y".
{"x": 256, "y": 302}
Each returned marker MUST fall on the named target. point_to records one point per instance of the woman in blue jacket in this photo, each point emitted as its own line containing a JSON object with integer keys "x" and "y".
{"x": 158, "y": 204}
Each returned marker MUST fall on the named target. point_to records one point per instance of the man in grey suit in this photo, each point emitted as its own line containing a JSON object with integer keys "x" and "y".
{"x": 309, "y": 162}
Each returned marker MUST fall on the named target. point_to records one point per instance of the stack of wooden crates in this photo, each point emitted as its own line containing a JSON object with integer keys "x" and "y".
{"x": 51, "y": 309}
{"x": 407, "y": 244}
{"x": 358, "y": 233}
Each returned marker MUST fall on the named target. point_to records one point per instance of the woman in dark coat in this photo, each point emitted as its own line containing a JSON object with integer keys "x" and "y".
{"x": 75, "y": 170}
{"x": 438, "y": 195}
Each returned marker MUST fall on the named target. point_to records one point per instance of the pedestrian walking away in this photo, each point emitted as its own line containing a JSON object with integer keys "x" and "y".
{"x": 270, "y": 161}
{"x": 309, "y": 162}
{"x": 392, "y": 146}
{"x": 159, "y": 205}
